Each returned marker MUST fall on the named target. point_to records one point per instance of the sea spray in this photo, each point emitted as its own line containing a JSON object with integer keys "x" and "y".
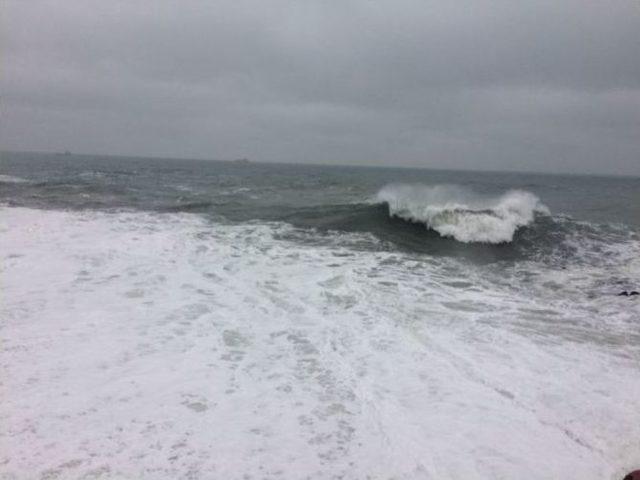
{"x": 462, "y": 214}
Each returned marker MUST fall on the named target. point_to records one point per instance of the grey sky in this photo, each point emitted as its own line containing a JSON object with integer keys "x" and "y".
{"x": 519, "y": 85}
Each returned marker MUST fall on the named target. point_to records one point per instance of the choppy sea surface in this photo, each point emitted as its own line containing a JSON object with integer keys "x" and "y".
{"x": 175, "y": 319}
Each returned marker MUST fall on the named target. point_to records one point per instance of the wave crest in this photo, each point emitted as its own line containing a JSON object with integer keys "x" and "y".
{"x": 462, "y": 214}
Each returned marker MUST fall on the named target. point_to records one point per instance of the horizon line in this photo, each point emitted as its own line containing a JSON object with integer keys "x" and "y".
{"x": 249, "y": 161}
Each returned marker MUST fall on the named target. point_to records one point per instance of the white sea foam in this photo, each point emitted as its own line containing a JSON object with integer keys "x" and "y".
{"x": 456, "y": 212}
{"x": 12, "y": 179}
{"x": 159, "y": 347}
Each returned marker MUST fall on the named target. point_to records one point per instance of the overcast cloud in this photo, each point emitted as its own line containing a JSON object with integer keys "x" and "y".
{"x": 518, "y": 85}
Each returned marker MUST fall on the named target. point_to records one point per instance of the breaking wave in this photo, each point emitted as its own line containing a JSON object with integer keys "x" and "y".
{"x": 464, "y": 215}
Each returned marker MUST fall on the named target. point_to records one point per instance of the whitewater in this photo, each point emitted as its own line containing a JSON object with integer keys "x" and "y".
{"x": 459, "y": 213}
{"x": 232, "y": 323}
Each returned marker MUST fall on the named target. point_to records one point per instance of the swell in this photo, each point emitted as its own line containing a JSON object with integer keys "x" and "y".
{"x": 188, "y": 207}
{"x": 395, "y": 233}
{"x": 425, "y": 217}
{"x": 555, "y": 240}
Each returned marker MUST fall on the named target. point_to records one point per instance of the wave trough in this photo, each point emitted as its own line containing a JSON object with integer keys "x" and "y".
{"x": 462, "y": 214}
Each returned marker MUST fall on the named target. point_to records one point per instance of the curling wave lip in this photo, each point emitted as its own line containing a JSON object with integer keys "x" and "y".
{"x": 462, "y": 214}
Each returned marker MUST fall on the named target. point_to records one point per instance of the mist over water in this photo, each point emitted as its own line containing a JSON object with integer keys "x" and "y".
{"x": 168, "y": 319}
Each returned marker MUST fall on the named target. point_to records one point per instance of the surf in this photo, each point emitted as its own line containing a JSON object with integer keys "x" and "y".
{"x": 462, "y": 214}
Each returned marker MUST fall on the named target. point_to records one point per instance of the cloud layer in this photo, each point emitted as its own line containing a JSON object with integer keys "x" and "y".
{"x": 530, "y": 85}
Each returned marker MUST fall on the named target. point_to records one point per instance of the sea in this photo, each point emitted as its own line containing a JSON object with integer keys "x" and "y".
{"x": 188, "y": 319}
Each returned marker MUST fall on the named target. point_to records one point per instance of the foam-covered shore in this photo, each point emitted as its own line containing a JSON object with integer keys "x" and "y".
{"x": 163, "y": 346}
